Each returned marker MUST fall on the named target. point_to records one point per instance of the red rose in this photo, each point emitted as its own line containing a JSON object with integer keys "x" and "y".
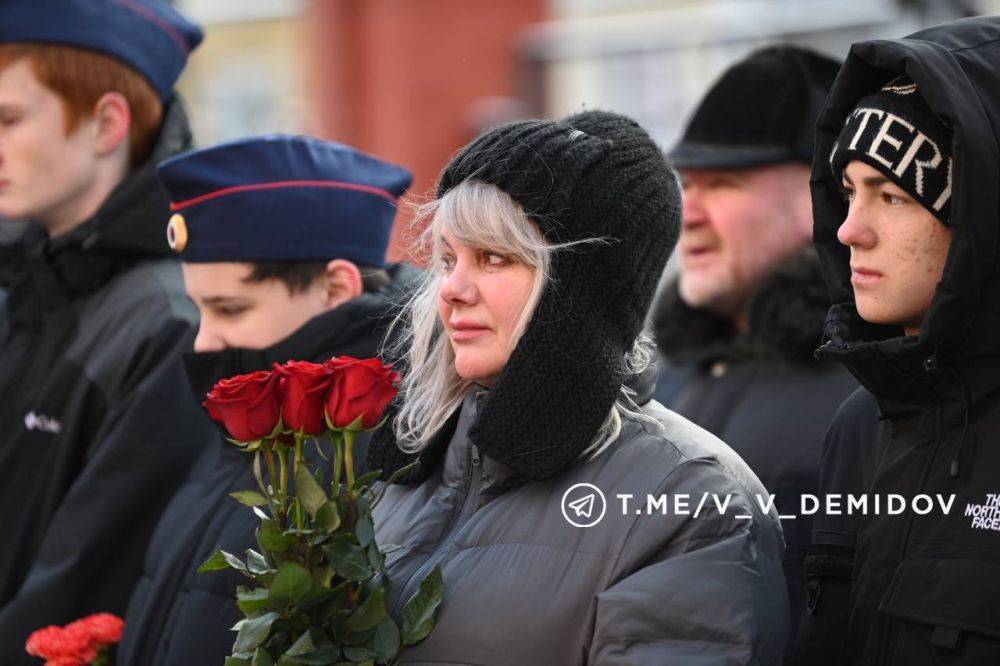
{"x": 246, "y": 404}
{"x": 62, "y": 646}
{"x": 359, "y": 388}
{"x": 302, "y": 391}
{"x": 104, "y": 628}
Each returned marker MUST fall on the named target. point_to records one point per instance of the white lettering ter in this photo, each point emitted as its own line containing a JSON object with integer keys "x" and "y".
{"x": 867, "y": 113}
{"x": 883, "y": 136}
{"x": 911, "y": 152}
{"x": 943, "y": 199}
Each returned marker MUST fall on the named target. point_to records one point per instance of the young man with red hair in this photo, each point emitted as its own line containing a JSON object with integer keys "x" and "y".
{"x": 94, "y": 432}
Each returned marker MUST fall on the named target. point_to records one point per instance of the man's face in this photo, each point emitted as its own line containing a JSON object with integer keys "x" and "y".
{"x": 252, "y": 315}
{"x": 737, "y": 225}
{"x": 43, "y": 172}
{"x": 898, "y": 249}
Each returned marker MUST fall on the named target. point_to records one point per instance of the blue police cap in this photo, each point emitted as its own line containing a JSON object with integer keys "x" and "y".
{"x": 281, "y": 198}
{"x": 149, "y": 35}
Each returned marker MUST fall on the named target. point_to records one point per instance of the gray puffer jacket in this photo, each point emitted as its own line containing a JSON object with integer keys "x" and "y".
{"x": 524, "y": 586}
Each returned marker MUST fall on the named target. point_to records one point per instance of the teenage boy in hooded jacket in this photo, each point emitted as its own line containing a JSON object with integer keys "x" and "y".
{"x": 907, "y": 214}
{"x": 93, "y": 437}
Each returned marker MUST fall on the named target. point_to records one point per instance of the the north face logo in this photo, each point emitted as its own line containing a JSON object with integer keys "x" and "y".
{"x": 985, "y": 516}
{"x": 33, "y": 421}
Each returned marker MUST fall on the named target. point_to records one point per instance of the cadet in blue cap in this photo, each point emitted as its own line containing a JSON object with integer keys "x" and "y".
{"x": 93, "y": 441}
{"x": 283, "y": 242}
{"x": 313, "y": 215}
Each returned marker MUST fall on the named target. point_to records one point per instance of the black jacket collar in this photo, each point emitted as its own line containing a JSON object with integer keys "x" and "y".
{"x": 384, "y": 454}
{"x": 785, "y": 321}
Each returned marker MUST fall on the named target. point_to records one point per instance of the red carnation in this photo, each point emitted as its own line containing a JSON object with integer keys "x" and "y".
{"x": 104, "y": 628}
{"x": 302, "y": 392}
{"x": 246, "y": 404}
{"x": 62, "y": 646}
{"x": 359, "y": 387}
{"x": 78, "y": 643}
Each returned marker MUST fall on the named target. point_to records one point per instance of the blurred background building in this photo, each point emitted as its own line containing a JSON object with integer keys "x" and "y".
{"x": 413, "y": 80}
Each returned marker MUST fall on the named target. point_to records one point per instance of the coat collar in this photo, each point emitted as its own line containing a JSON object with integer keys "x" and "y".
{"x": 451, "y": 445}
{"x": 457, "y": 466}
{"x": 786, "y": 319}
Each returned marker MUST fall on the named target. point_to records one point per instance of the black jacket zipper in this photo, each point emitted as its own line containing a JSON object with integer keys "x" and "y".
{"x": 34, "y": 328}
{"x": 889, "y": 640}
{"x": 441, "y": 550}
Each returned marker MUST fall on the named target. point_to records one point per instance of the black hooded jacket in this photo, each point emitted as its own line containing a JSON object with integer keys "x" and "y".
{"x": 177, "y": 616}
{"x": 912, "y": 588}
{"x": 762, "y": 392}
{"x": 97, "y": 428}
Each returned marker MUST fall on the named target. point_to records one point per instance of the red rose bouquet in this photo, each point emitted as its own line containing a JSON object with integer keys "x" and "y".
{"x": 317, "y": 582}
{"x": 81, "y": 643}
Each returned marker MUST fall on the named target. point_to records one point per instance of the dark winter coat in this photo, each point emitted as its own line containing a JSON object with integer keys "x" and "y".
{"x": 4, "y": 326}
{"x": 762, "y": 393}
{"x": 523, "y": 586}
{"x": 177, "y": 616}
{"x": 97, "y": 429}
{"x": 916, "y": 589}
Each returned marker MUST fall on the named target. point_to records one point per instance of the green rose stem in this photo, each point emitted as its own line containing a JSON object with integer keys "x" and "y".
{"x": 256, "y": 473}
{"x": 338, "y": 460}
{"x": 299, "y": 438}
{"x": 271, "y": 466}
{"x": 282, "y": 483}
{"x": 298, "y": 459}
{"x": 349, "y": 460}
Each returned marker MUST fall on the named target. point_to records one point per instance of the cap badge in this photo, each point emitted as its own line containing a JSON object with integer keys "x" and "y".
{"x": 177, "y": 234}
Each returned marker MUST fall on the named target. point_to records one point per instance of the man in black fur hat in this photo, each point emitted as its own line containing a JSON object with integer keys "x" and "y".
{"x": 738, "y": 328}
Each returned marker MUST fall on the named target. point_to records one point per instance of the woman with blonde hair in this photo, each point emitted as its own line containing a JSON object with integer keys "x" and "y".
{"x": 561, "y": 504}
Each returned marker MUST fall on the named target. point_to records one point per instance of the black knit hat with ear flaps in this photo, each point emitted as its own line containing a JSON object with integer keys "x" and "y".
{"x": 593, "y": 175}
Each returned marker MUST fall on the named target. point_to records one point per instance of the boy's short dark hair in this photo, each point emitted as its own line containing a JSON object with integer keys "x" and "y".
{"x": 298, "y": 275}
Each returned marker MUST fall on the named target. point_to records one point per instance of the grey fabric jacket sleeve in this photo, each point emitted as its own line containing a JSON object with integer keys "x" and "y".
{"x": 697, "y": 590}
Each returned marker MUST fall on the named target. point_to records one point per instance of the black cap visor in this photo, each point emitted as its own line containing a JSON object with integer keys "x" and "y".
{"x": 692, "y": 155}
